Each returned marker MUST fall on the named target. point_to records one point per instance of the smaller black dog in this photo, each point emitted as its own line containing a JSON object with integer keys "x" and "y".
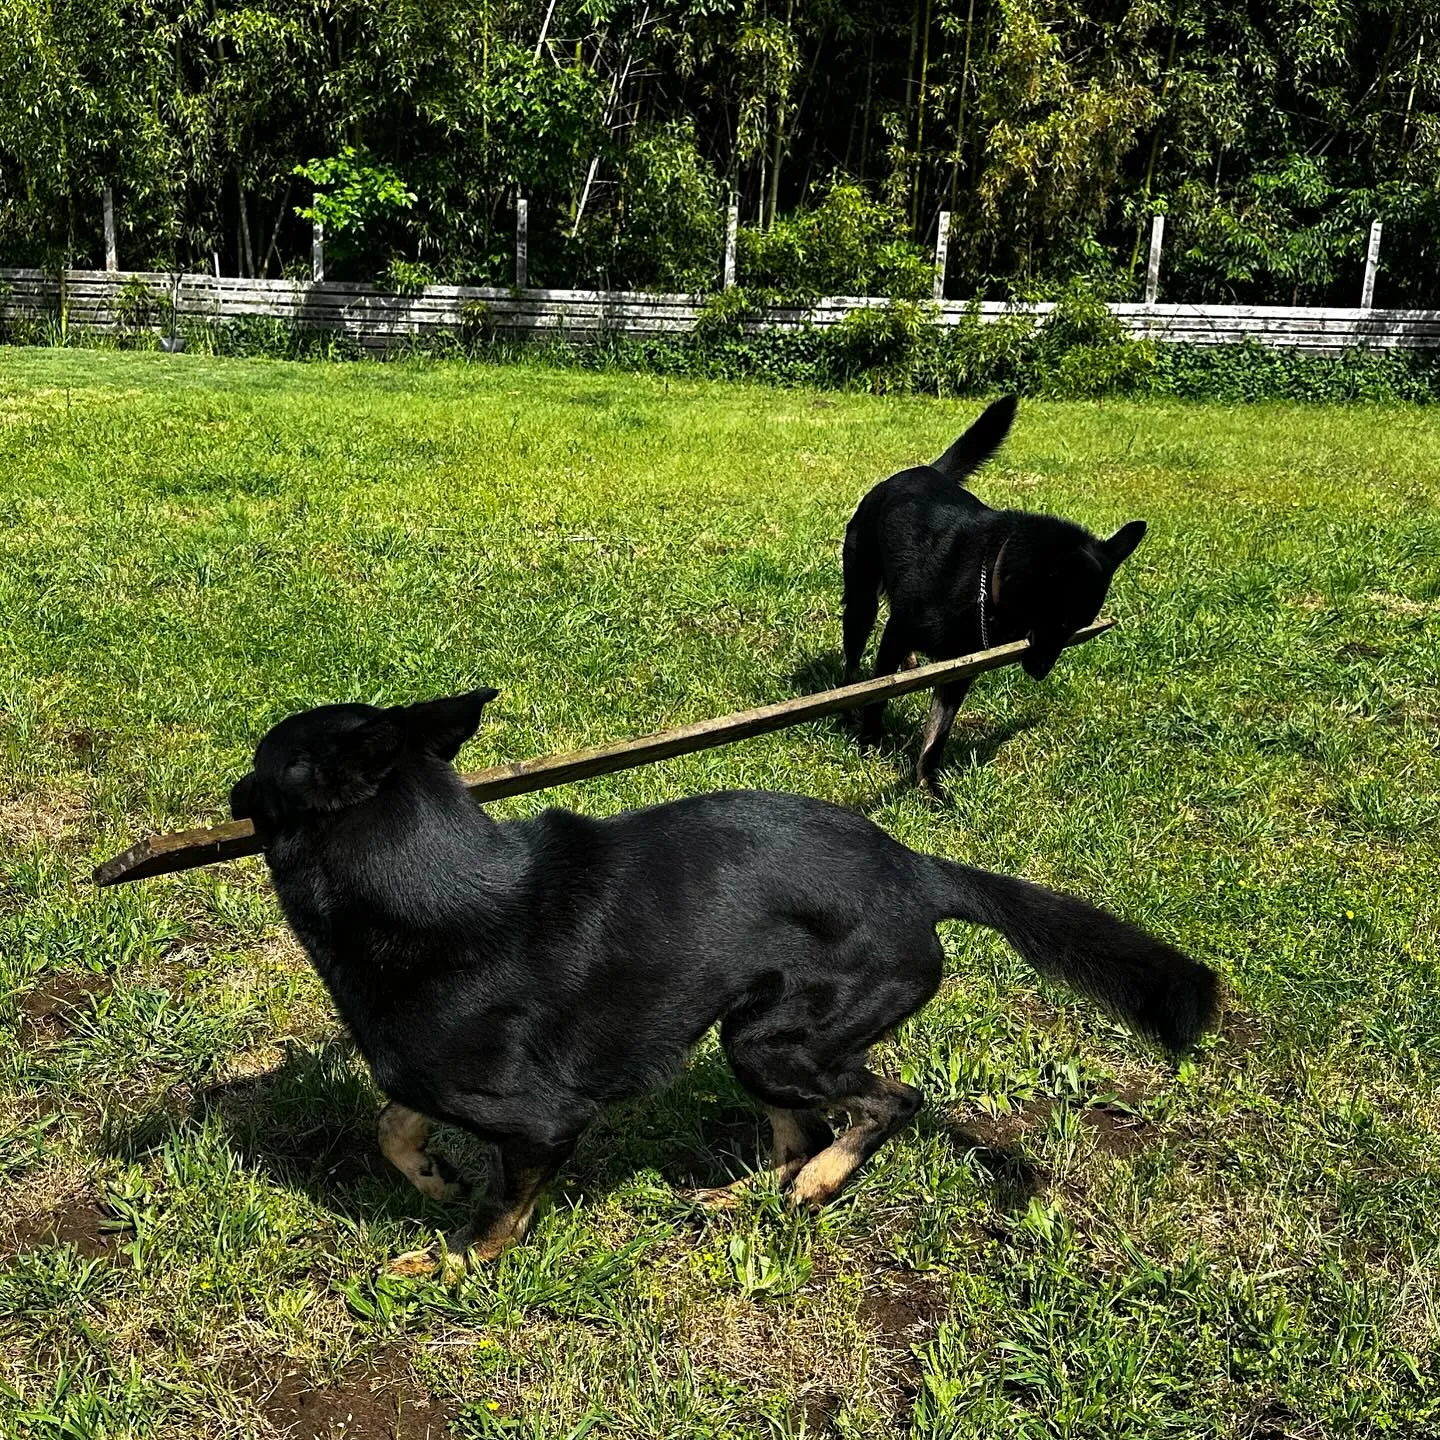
{"x": 962, "y": 577}
{"x": 514, "y": 979}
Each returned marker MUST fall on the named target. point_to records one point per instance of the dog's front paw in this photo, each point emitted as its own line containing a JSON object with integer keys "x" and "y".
{"x": 414, "y": 1263}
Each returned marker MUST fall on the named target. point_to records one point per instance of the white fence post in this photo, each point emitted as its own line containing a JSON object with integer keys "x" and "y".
{"x": 112, "y": 258}
{"x": 732, "y": 227}
{"x": 1372, "y": 263}
{"x": 317, "y": 252}
{"x": 522, "y": 244}
{"x": 1152, "y": 270}
{"x": 942, "y": 245}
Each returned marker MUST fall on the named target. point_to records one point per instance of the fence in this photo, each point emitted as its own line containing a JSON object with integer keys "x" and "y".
{"x": 379, "y": 320}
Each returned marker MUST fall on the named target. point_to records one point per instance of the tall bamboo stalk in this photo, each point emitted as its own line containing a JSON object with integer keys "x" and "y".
{"x": 960, "y": 111}
{"x": 920, "y": 121}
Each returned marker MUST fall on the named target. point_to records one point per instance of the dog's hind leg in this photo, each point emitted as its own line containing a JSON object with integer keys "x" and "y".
{"x": 795, "y": 1136}
{"x": 877, "y": 1107}
{"x": 890, "y": 657}
{"x": 862, "y": 599}
{"x": 404, "y": 1134}
{"x": 946, "y": 700}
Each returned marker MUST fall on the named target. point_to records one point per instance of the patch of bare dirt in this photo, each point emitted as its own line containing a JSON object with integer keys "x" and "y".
{"x": 380, "y": 1400}
{"x": 80, "y": 1221}
{"x": 1117, "y": 1126}
{"x": 1242, "y": 1033}
{"x": 48, "y": 1012}
{"x": 1359, "y": 650}
{"x": 818, "y": 1411}
{"x": 50, "y": 816}
{"x": 905, "y": 1313}
{"x": 1117, "y": 1129}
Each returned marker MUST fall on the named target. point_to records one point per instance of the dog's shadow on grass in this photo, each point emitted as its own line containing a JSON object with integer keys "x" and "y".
{"x": 1014, "y": 1178}
{"x": 973, "y": 742}
{"x": 308, "y": 1125}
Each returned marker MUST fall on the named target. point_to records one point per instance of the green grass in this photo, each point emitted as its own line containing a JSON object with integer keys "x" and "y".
{"x": 1075, "y": 1240}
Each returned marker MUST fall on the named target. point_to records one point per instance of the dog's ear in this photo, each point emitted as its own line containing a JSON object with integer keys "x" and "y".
{"x": 1121, "y": 545}
{"x": 441, "y": 727}
{"x": 367, "y": 754}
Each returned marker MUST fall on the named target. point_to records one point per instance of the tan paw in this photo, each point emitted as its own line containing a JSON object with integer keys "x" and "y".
{"x": 718, "y": 1198}
{"x": 465, "y": 1246}
{"x": 414, "y": 1262}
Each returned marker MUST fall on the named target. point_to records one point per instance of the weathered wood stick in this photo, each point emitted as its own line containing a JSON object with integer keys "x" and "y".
{"x": 186, "y": 849}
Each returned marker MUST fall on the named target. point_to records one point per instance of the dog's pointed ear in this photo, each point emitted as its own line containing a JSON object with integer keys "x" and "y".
{"x": 441, "y": 727}
{"x": 1121, "y": 545}
{"x": 371, "y": 751}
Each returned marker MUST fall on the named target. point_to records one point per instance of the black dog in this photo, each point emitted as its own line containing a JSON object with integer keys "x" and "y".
{"x": 962, "y": 577}
{"x": 514, "y": 978}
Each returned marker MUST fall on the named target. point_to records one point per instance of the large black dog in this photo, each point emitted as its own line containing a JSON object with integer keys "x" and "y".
{"x": 514, "y": 978}
{"x": 961, "y": 577}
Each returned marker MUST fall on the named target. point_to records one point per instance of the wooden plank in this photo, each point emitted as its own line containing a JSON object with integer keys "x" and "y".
{"x": 187, "y": 849}
{"x": 1152, "y": 268}
{"x": 378, "y": 320}
{"x": 1372, "y": 264}
{"x": 112, "y": 258}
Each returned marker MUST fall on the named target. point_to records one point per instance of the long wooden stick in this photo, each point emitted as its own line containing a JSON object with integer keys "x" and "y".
{"x": 186, "y": 849}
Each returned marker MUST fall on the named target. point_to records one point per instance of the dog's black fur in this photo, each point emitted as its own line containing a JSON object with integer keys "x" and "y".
{"x": 926, "y": 543}
{"x": 512, "y": 979}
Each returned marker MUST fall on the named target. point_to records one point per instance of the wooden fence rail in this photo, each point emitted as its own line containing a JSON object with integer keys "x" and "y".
{"x": 380, "y": 320}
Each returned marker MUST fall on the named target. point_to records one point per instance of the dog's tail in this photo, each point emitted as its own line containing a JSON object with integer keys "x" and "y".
{"x": 979, "y": 442}
{"x": 1140, "y": 980}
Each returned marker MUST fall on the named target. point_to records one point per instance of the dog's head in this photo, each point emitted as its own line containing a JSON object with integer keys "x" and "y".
{"x": 1051, "y": 583}
{"x": 322, "y": 761}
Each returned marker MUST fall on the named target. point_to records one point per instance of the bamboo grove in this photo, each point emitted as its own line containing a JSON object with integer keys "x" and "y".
{"x": 1052, "y": 129}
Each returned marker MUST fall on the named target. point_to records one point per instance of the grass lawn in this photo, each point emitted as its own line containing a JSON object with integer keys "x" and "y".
{"x": 1075, "y": 1240}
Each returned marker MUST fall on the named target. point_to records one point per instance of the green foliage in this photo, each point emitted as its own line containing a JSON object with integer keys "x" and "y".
{"x": 1051, "y": 130}
{"x": 351, "y": 193}
{"x": 847, "y": 244}
{"x": 138, "y": 308}
{"x": 405, "y": 277}
{"x": 668, "y": 230}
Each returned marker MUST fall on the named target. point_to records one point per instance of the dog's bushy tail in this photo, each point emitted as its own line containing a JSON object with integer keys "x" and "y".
{"x": 980, "y": 441}
{"x": 1140, "y": 980}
